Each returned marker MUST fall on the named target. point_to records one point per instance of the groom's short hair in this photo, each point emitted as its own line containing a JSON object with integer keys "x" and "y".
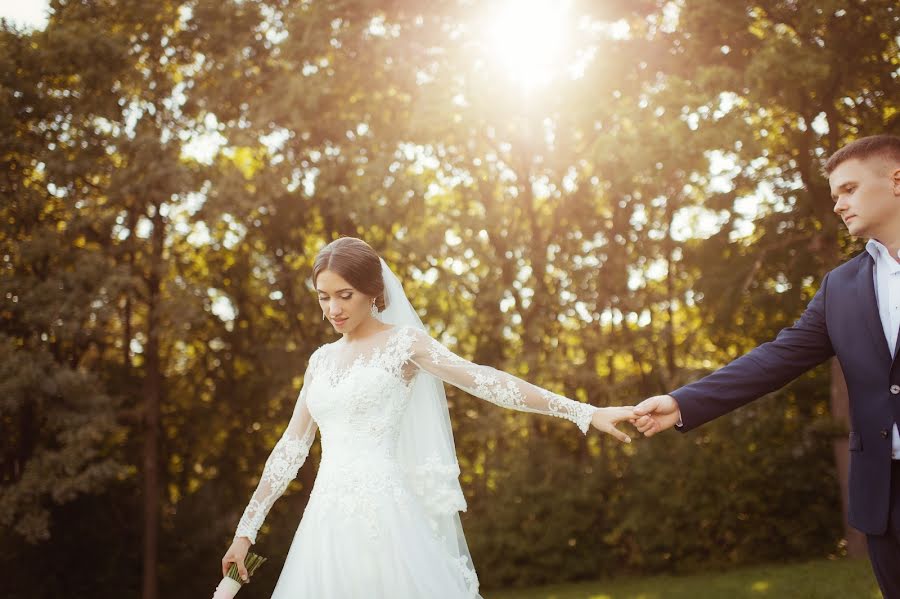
{"x": 885, "y": 145}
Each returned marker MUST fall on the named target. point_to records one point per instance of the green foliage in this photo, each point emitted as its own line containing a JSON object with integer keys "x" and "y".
{"x": 758, "y": 486}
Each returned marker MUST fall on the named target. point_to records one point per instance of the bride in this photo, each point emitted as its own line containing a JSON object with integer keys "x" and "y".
{"x": 383, "y": 517}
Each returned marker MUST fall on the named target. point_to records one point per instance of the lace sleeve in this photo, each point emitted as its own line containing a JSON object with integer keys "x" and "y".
{"x": 493, "y": 385}
{"x": 285, "y": 460}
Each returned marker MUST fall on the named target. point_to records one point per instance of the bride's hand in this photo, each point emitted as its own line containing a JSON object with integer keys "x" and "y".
{"x": 237, "y": 553}
{"x": 606, "y": 419}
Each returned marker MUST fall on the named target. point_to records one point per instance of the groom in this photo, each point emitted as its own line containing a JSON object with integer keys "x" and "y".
{"x": 854, "y": 315}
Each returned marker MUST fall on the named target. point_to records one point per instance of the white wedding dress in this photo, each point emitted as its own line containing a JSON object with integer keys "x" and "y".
{"x": 365, "y": 532}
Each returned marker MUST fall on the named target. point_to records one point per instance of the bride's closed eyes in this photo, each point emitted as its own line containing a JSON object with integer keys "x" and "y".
{"x": 343, "y": 294}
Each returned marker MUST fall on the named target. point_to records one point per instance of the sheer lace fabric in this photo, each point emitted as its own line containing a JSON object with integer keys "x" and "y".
{"x": 494, "y": 385}
{"x": 365, "y": 509}
{"x": 288, "y": 455}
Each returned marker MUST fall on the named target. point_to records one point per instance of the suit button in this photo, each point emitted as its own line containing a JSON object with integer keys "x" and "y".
{"x": 895, "y": 389}
{"x": 884, "y": 433}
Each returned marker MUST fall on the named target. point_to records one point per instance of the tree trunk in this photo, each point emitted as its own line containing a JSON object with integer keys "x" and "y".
{"x": 153, "y": 390}
{"x": 840, "y": 411}
{"x": 151, "y": 471}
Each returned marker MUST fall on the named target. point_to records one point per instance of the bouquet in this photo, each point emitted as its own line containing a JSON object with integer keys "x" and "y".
{"x": 231, "y": 583}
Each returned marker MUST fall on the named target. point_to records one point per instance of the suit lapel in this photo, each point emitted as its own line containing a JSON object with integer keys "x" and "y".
{"x": 865, "y": 288}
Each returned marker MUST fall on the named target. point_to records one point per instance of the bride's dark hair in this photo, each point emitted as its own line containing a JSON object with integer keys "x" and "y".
{"x": 356, "y": 262}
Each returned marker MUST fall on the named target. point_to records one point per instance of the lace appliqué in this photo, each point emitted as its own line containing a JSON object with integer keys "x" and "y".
{"x": 505, "y": 390}
{"x": 573, "y": 411}
{"x": 435, "y": 484}
{"x": 281, "y": 468}
{"x": 467, "y": 572}
{"x": 377, "y": 393}
{"x": 391, "y": 358}
{"x": 356, "y": 495}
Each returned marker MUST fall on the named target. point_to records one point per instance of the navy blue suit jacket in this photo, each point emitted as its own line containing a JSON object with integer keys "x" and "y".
{"x": 842, "y": 319}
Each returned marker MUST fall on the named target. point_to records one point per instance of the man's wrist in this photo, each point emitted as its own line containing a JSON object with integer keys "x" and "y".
{"x": 679, "y": 423}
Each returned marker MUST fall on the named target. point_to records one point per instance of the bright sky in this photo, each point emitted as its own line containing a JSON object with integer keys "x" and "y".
{"x": 27, "y": 13}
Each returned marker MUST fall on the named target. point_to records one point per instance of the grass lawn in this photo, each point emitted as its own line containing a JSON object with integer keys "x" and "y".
{"x": 823, "y": 579}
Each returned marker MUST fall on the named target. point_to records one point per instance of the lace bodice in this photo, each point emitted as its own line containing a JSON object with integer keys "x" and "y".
{"x": 356, "y": 394}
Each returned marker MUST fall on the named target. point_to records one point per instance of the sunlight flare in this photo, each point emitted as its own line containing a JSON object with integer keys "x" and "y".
{"x": 526, "y": 39}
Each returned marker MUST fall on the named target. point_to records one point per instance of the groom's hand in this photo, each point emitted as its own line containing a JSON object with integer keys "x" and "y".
{"x": 656, "y": 414}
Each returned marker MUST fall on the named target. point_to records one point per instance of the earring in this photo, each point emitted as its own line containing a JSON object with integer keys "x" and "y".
{"x": 323, "y": 316}
{"x": 374, "y": 310}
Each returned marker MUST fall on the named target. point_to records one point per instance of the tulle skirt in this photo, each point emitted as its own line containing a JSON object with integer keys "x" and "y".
{"x": 369, "y": 538}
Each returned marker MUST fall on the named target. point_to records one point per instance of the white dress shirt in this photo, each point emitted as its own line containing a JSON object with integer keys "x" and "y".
{"x": 887, "y": 293}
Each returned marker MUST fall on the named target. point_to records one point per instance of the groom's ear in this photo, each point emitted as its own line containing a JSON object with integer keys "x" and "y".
{"x": 895, "y": 177}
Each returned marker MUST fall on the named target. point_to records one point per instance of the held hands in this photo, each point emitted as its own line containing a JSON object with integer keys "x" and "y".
{"x": 237, "y": 553}
{"x": 606, "y": 419}
{"x": 651, "y": 416}
{"x": 656, "y": 414}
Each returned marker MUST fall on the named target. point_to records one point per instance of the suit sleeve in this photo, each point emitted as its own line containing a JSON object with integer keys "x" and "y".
{"x": 766, "y": 368}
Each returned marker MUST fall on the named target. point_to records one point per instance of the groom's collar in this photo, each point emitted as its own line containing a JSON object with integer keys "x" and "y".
{"x": 879, "y": 253}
